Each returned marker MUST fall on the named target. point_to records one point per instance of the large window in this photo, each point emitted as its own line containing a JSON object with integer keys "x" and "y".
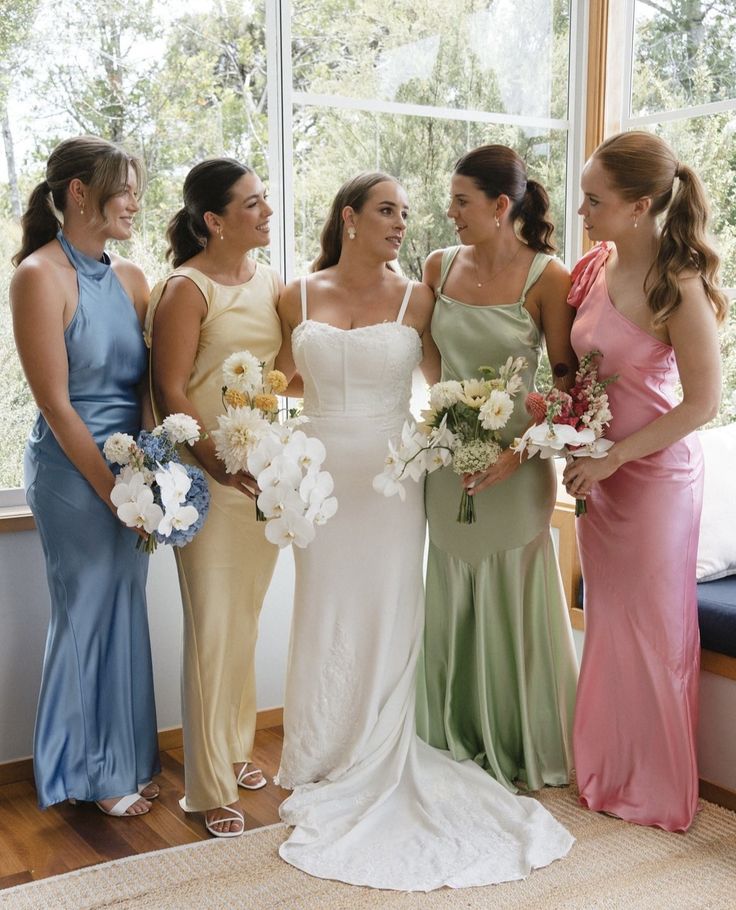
{"x": 307, "y": 91}
{"x": 680, "y": 81}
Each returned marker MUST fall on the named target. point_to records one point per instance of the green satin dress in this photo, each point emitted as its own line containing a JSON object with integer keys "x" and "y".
{"x": 499, "y": 671}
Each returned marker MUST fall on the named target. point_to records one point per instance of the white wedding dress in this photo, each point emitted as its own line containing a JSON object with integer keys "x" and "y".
{"x": 373, "y": 804}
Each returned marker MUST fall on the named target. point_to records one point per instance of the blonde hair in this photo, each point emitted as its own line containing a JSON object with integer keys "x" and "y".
{"x": 641, "y": 164}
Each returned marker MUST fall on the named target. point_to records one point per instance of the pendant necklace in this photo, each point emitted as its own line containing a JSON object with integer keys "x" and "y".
{"x": 493, "y": 274}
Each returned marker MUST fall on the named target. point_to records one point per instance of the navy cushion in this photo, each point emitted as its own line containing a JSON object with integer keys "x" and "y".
{"x": 717, "y": 615}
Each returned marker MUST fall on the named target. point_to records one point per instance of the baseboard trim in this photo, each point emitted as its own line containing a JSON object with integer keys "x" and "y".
{"x": 13, "y": 772}
{"x": 722, "y": 796}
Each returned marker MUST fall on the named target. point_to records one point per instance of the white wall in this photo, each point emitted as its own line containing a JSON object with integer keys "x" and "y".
{"x": 24, "y": 611}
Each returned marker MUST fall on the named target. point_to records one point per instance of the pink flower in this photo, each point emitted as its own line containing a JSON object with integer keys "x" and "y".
{"x": 585, "y": 272}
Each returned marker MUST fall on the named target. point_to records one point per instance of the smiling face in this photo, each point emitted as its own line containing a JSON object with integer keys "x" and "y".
{"x": 472, "y": 211}
{"x": 380, "y": 225}
{"x": 246, "y": 218}
{"x": 606, "y": 214}
{"x": 120, "y": 210}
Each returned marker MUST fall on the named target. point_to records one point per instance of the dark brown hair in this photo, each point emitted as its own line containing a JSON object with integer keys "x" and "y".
{"x": 99, "y": 164}
{"x": 207, "y": 188}
{"x": 640, "y": 164}
{"x": 353, "y": 193}
{"x": 498, "y": 170}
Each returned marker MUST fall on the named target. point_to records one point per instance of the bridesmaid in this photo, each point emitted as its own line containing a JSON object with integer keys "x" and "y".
{"x": 77, "y": 314}
{"x": 648, "y": 299}
{"x": 499, "y": 663}
{"x": 218, "y": 300}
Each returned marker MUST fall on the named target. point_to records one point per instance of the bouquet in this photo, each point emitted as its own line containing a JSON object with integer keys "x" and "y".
{"x": 570, "y": 423}
{"x": 154, "y": 490}
{"x": 460, "y": 428}
{"x": 286, "y": 463}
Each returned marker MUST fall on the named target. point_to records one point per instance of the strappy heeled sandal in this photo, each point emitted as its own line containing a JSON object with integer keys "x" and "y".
{"x": 145, "y": 786}
{"x": 235, "y": 815}
{"x": 119, "y": 809}
{"x": 245, "y": 774}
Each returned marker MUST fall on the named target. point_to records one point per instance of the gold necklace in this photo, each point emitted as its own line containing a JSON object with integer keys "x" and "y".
{"x": 493, "y": 274}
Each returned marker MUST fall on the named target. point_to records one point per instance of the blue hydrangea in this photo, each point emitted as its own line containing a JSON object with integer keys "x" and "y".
{"x": 157, "y": 449}
{"x": 199, "y": 497}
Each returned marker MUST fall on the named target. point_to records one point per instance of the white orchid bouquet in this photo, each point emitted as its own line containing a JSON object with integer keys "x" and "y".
{"x": 461, "y": 428}
{"x": 570, "y": 424}
{"x": 154, "y": 490}
{"x": 256, "y": 436}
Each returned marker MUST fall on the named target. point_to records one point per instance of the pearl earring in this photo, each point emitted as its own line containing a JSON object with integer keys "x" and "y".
{"x": 636, "y": 222}
{"x": 498, "y": 223}
{"x": 351, "y": 233}
{"x": 220, "y": 234}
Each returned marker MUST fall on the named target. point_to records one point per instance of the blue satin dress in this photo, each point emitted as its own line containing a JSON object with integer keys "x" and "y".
{"x": 95, "y": 734}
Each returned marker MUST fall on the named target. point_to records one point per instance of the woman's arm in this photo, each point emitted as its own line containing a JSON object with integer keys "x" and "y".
{"x": 556, "y": 317}
{"x": 176, "y": 329}
{"x": 431, "y": 364}
{"x": 39, "y": 311}
{"x": 693, "y": 334}
{"x": 289, "y": 310}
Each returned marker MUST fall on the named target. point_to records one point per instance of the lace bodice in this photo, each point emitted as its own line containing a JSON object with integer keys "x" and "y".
{"x": 362, "y": 372}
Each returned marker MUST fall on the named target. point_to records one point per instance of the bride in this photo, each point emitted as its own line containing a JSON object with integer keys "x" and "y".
{"x": 373, "y": 804}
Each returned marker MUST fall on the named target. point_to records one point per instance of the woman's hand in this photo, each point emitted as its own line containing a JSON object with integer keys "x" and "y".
{"x": 581, "y": 473}
{"x": 242, "y": 481}
{"x": 508, "y": 462}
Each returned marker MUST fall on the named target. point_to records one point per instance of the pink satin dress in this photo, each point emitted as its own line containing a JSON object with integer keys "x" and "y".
{"x": 634, "y": 737}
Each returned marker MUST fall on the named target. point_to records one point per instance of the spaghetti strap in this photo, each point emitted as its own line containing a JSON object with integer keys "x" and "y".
{"x": 303, "y": 284}
{"x": 405, "y": 302}
{"x": 448, "y": 257}
{"x": 539, "y": 264}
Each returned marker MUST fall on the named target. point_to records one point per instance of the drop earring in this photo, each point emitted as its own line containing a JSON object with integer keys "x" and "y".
{"x": 351, "y": 233}
{"x": 498, "y": 223}
{"x": 636, "y": 222}
{"x": 220, "y": 234}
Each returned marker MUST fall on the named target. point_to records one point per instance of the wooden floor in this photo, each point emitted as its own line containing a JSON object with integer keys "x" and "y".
{"x": 35, "y": 844}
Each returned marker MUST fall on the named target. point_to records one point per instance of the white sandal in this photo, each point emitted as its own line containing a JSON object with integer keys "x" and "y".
{"x": 210, "y": 826}
{"x": 149, "y": 784}
{"x": 244, "y": 775}
{"x": 119, "y": 809}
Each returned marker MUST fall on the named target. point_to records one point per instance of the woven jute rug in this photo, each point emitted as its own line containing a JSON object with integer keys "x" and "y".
{"x": 612, "y": 866}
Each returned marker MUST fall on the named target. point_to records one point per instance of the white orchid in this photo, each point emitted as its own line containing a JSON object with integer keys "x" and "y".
{"x": 316, "y": 487}
{"x": 174, "y": 484}
{"x": 134, "y": 502}
{"x": 264, "y": 453}
{"x": 181, "y": 428}
{"x": 550, "y": 442}
{"x": 307, "y": 451}
{"x": 320, "y": 514}
{"x": 282, "y": 471}
{"x": 177, "y": 517}
{"x": 290, "y": 528}
{"x": 274, "y": 501}
{"x": 388, "y": 485}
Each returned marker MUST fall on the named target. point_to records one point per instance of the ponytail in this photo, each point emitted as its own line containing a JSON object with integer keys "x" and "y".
{"x": 184, "y": 242}
{"x": 683, "y": 245}
{"x": 532, "y": 210}
{"x": 39, "y": 223}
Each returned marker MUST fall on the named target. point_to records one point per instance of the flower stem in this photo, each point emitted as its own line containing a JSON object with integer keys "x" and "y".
{"x": 466, "y": 512}
{"x": 580, "y": 508}
{"x": 259, "y": 515}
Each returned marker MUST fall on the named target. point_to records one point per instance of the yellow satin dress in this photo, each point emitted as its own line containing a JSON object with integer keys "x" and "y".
{"x": 225, "y": 571}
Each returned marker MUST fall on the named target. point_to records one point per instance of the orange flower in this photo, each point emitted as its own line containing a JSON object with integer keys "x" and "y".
{"x": 265, "y": 402}
{"x": 235, "y": 399}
